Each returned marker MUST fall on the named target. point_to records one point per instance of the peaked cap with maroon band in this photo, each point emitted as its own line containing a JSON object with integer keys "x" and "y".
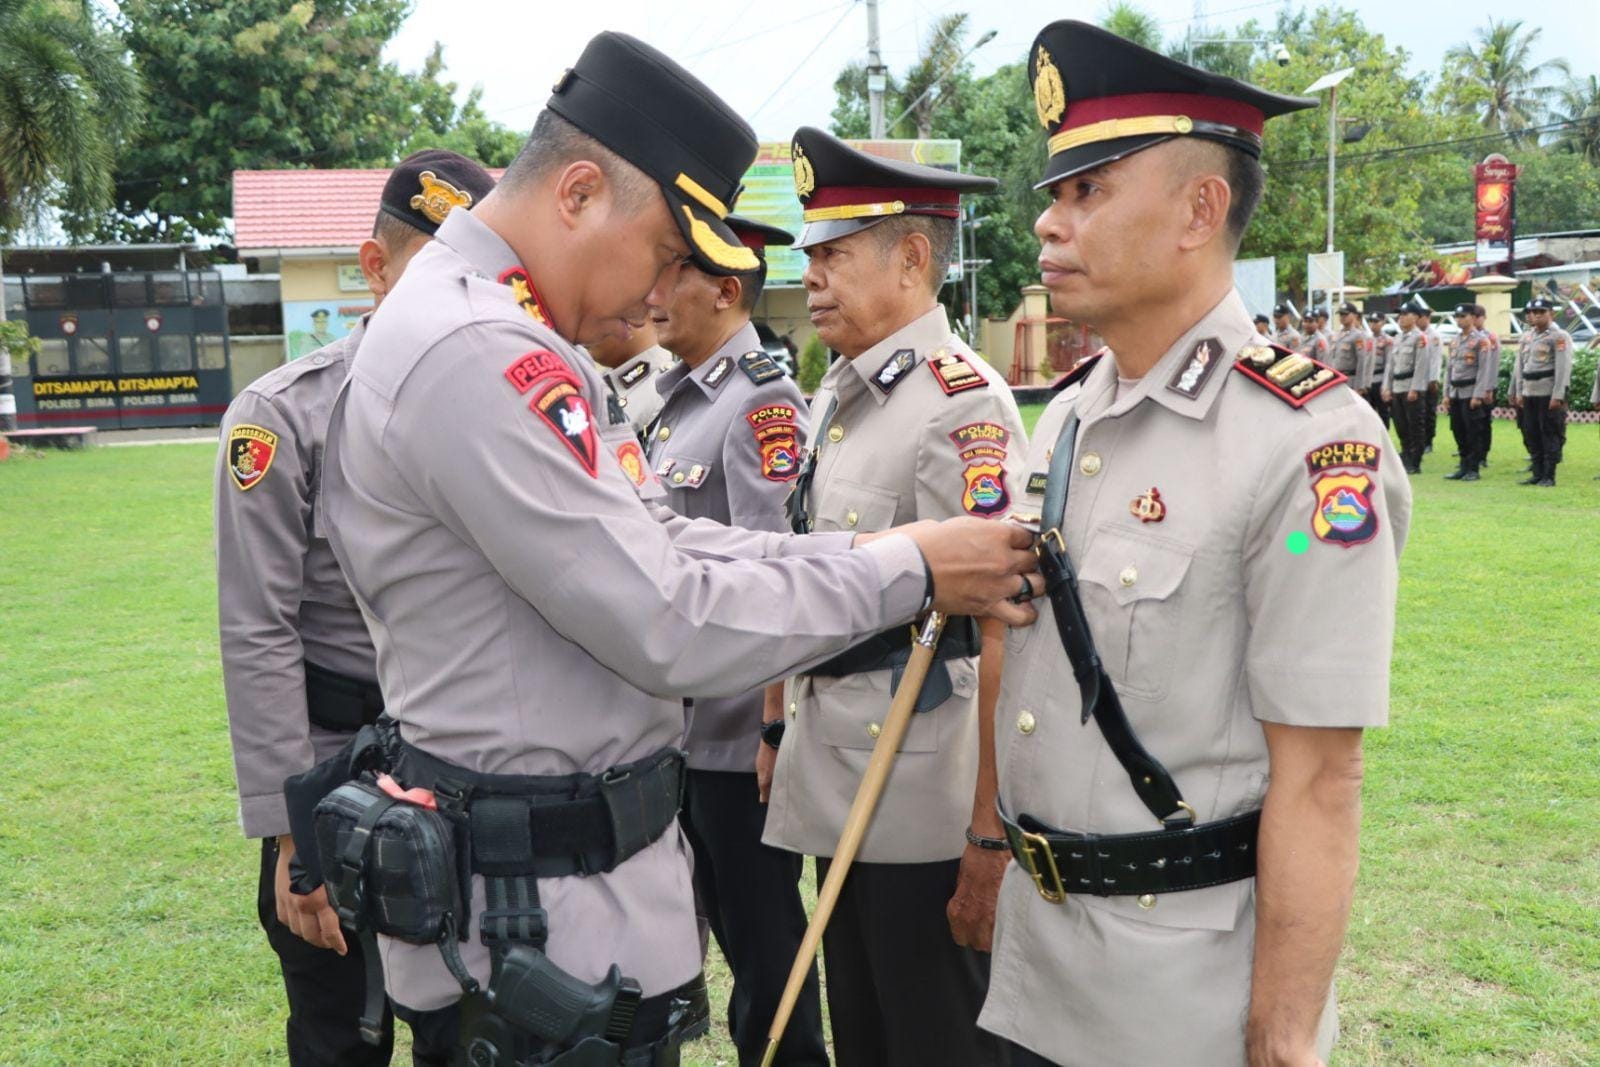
{"x": 756, "y": 236}
{"x": 843, "y": 191}
{"x": 1101, "y": 98}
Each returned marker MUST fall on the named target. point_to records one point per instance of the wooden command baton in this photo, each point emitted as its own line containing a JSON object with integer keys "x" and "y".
{"x": 860, "y": 817}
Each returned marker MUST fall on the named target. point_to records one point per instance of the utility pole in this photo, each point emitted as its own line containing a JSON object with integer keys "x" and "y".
{"x": 877, "y": 76}
{"x": 1333, "y": 143}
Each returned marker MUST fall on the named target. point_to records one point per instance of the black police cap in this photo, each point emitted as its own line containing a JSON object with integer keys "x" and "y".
{"x": 1462, "y": 309}
{"x": 756, "y": 236}
{"x": 1374, "y": 316}
{"x": 650, "y": 111}
{"x": 1348, "y": 308}
{"x": 843, "y": 191}
{"x": 1282, "y": 309}
{"x": 1262, "y": 319}
{"x": 1320, "y": 313}
{"x": 1539, "y": 303}
{"x": 1101, "y": 97}
{"x": 426, "y": 186}
{"x": 1417, "y": 306}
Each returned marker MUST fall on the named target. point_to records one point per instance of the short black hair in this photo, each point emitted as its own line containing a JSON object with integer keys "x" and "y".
{"x": 555, "y": 144}
{"x": 395, "y": 233}
{"x": 941, "y": 235}
{"x": 751, "y": 285}
{"x": 1246, "y": 180}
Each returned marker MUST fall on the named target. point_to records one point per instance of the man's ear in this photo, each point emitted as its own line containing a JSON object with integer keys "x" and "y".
{"x": 915, "y": 253}
{"x": 576, "y": 190}
{"x": 373, "y": 258}
{"x": 1209, "y": 198}
{"x": 729, "y": 292}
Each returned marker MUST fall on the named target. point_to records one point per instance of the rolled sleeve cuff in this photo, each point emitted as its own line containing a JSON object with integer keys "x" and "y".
{"x": 903, "y": 577}
{"x": 817, "y": 544}
{"x": 1297, "y": 697}
{"x": 264, "y": 816}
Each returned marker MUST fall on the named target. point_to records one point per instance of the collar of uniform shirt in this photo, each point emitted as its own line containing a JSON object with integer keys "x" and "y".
{"x": 1229, "y": 322}
{"x": 922, "y": 334}
{"x": 477, "y": 244}
{"x": 744, "y": 340}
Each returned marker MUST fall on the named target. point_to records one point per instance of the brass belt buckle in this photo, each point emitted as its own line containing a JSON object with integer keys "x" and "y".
{"x": 1031, "y": 864}
{"x": 1054, "y": 533}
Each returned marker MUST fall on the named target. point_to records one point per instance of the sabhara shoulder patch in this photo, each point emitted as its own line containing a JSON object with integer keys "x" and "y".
{"x": 759, "y": 368}
{"x": 778, "y": 438}
{"x": 558, "y": 399}
{"x": 250, "y": 453}
{"x": 1077, "y": 373}
{"x": 894, "y": 369}
{"x": 982, "y": 448}
{"x": 954, "y": 374}
{"x": 1290, "y": 376}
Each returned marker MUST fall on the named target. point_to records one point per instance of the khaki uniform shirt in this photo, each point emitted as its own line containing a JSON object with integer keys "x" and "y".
{"x": 727, "y": 447}
{"x": 1547, "y": 354}
{"x": 1316, "y": 345}
{"x": 1410, "y": 367}
{"x": 1435, "y": 354}
{"x": 1288, "y": 337}
{"x": 634, "y": 384}
{"x": 531, "y": 615}
{"x": 1378, "y": 361}
{"x": 281, "y": 598}
{"x": 897, "y": 448}
{"x": 1474, "y": 365}
{"x": 1273, "y": 522}
{"x": 1349, "y": 355}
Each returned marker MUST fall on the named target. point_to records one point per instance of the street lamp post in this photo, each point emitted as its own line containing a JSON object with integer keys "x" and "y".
{"x": 1331, "y": 82}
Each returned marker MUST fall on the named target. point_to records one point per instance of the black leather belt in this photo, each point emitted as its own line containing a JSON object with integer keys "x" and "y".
{"x": 1464, "y": 382}
{"x": 1161, "y": 861}
{"x": 1538, "y": 375}
{"x": 892, "y": 648}
{"x": 339, "y": 702}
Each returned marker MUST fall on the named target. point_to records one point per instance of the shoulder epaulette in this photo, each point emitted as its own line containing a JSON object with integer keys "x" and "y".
{"x": 1077, "y": 373}
{"x": 1286, "y": 374}
{"x": 953, "y": 373}
{"x": 759, "y": 367}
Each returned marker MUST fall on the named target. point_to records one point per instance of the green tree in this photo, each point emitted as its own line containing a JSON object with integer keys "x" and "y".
{"x": 464, "y": 128}
{"x": 813, "y": 364}
{"x": 935, "y": 80}
{"x": 1579, "y": 104}
{"x": 1498, "y": 81}
{"x": 67, "y": 100}
{"x": 1556, "y": 191}
{"x": 257, "y": 84}
{"x": 1133, "y": 23}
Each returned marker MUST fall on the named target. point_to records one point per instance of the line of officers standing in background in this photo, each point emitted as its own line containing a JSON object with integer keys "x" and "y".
{"x": 1403, "y": 374}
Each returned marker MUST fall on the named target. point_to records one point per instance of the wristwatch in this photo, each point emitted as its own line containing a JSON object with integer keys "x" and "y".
{"x": 772, "y": 733}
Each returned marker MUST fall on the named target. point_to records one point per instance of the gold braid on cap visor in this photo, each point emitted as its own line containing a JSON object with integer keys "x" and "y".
{"x": 714, "y": 248}
{"x": 1111, "y": 129}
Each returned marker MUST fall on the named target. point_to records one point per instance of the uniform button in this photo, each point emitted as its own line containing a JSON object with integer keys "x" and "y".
{"x": 794, "y": 706}
{"x": 663, "y": 433}
{"x": 1147, "y": 901}
{"x": 1025, "y": 722}
{"x": 836, "y": 433}
{"x": 677, "y": 479}
{"x": 318, "y": 361}
{"x": 1129, "y": 575}
{"x": 851, "y": 518}
{"x": 1090, "y": 464}
{"x": 873, "y": 729}
{"x": 622, "y": 402}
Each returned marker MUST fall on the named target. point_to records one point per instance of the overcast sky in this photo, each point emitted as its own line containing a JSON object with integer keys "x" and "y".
{"x": 775, "y": 63}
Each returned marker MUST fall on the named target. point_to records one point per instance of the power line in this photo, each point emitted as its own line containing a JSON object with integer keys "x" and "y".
{"x": 799, "y": 66}
{"x": 769, "y": 30}
{"x": 1403, "y": 150}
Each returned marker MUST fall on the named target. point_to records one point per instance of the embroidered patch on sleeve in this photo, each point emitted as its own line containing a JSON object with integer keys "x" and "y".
{"x": 1344, "y": 514}
{"x": 1342, "y": 454}
{"x": 778, "y": 439}
{"x": 250, "y": 453}
{"x": 631, "y": 457}
{"x": 982, "y": 448}
{"x": 528, "y": 369}
{"x": 954, "y": 374}
{"x": 559, "y": 401}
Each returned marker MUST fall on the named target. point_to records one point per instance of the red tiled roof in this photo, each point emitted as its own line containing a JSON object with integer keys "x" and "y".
{"x": 306, "y": 208}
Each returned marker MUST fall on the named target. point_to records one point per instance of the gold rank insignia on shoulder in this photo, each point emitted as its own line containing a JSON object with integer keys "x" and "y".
{"x": 805, "y": 178}
{"x": 1288, "y": 375}
{"x": 954, "y": 374}
{"x": 1049, "y": 92}
{"x": 438, "y": 197}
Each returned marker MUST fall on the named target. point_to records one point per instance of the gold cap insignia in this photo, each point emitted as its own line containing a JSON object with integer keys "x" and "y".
{"x": 805, "y": 179}
{"x": 438, "y": 198}
{"x": 1049, "y": 94}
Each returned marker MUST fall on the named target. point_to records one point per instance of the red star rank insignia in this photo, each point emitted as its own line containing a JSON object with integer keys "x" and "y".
{"x": 250, "y": 453}
{"x": 526, "y": 295}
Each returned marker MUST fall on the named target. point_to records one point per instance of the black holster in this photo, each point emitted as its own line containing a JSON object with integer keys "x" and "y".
{"x": 340, "y": 702}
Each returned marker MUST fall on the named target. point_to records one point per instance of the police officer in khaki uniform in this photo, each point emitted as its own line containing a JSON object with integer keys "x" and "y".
{"x": 1263, "y": 327}
{"x": 1351, "y": 351}
{"x": 727, "y": 447}
{"x": 632, "y": 367}
{"x": 1284, "y": 333}
{"x": 1210, "y": 494}
{"x": 1543, "y": 374}
{"x": 1472, "y": 376}
{"x": 536, "y": 624}
{"x": 1382, "y": 346}
{"x": 1437, "y": 360}
{"x": 910, "y": 425}
{"x": 1409, "y": 371}
{"x": 297, "y": 663}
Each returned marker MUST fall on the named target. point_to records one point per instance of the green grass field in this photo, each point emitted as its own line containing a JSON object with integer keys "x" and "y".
{"x": 127, "y": 921}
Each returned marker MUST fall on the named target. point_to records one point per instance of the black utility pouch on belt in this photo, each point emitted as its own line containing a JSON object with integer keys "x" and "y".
{"x": 397, "y": 869}
{"x": 339, "y": 702}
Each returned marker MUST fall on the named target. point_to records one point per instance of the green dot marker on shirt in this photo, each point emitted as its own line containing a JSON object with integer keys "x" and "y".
{"x": 1297, "y": 543}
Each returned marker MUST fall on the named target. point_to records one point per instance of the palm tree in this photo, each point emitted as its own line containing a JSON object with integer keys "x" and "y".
{"x": 940, "y": 61}
{"x": 1580, "y": 105}
{"x": 1500, "y": 62}
{"x": 67, "y": 99}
